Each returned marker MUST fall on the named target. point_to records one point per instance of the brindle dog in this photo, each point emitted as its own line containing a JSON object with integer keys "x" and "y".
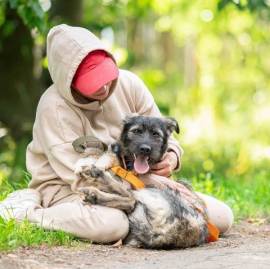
{"x": 159, "y": 218}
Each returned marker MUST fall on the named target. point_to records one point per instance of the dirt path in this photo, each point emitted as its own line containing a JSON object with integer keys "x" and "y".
{"x": 247, "y": 246}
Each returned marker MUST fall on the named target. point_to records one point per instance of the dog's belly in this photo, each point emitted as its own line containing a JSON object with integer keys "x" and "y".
{"x": 158, "y": 208}
{"x": 162, "y": 219}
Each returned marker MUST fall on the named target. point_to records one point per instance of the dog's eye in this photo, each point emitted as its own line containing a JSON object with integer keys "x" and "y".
{"x": 137, "y": 131}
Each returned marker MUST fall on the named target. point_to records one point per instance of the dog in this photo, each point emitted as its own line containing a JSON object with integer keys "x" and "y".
{"x": 159, "y": 218}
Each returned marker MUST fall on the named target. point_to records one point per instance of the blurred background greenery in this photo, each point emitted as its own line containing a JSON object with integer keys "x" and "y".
{"x": 206, "y": 63}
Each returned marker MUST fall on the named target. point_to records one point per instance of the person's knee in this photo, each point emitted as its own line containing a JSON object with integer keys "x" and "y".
{"x": 95, "y": 223}
{"x": 224, "y": 218}
{"x": 218, "y": 212}
{"x": 106, "y": 224}
{"x": 115, "y": 227}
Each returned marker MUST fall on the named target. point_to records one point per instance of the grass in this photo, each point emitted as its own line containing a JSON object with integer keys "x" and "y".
{"x": 25, "y": 234}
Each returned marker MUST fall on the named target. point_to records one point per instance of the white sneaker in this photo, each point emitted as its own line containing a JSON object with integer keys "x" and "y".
{"x": 17, "y": 204}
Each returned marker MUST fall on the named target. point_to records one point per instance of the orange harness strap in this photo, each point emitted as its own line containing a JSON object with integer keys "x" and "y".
{"x": 213, "y": 232}
{"x": 135, "y": 182}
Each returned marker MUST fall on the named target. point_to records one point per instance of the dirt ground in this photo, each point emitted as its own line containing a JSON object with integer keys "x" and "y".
{"x": 246, "y": 246}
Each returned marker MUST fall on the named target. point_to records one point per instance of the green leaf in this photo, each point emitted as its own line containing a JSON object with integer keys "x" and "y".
{"x": 37, "y": 10}
{"x": 13, "y": 3}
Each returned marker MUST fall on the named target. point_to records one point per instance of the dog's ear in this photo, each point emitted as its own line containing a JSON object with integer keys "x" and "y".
{"x": 126, "y": 120}
{"x": 172, "y": 125}
{"x": 129, "y": 117}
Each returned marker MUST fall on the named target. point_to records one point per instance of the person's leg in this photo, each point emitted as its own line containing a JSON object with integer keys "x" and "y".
{"x": 219, "y": 213}
{"x": 96, "y": 223}
{"x": 69, "y": 214}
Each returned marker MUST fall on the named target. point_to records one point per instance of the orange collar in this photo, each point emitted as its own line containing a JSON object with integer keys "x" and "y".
{"x": 135, "y": 182}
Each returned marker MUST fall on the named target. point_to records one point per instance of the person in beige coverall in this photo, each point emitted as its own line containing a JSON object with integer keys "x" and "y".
{"x": 71, "y": 108}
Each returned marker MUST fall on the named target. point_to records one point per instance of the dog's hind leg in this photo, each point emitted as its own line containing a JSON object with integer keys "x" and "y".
{"x": 95, "y": 196}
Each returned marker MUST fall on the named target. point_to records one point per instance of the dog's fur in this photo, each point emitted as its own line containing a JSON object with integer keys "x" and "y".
{"x": 159, "y": 218}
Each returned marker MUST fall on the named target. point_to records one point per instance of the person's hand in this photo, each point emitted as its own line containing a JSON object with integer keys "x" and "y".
{"x": 166, "y": 165}
{"x": 161, "y": 182}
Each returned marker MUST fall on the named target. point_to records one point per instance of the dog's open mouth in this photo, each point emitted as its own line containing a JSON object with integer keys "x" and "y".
{"x": 141, "y": 165}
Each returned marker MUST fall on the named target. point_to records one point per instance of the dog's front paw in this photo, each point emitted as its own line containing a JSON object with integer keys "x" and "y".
{"x": 83, "y": 166}
{"x": 96, "y": 172}
{"x": 89, "y": 196}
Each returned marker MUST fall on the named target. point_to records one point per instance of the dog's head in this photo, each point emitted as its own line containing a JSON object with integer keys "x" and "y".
{"x": 145, "y": 139}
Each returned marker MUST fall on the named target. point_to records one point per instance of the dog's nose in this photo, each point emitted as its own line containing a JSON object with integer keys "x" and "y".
{"x": 145, "y": 149}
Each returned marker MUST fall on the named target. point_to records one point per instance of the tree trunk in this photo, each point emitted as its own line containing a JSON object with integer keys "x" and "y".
{"x": 69, "y": 12}
{"x": 20, "y": 90}
{"x": 21, "y": 86}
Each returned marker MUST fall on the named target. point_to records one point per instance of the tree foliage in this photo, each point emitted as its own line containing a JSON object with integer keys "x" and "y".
{"x": 206, "y": 63}
{"x": 31, "y": 12}
{"x": 252, "y": 5}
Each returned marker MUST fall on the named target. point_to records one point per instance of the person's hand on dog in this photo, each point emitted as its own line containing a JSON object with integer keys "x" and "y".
{"x": 162, "y": 182}
{"x": 166, "y": 165}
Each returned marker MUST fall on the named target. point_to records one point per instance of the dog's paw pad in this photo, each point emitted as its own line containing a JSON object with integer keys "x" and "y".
{"x": 96, "y": 172}
{"x": 86, "y": 172}
{"x": 91, "y": 198}
{"x": 82, "y": 166}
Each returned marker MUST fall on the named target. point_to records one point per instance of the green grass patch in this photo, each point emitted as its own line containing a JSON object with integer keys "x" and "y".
{"x": 25, "y": 234}
{"x": 7, "y": 186}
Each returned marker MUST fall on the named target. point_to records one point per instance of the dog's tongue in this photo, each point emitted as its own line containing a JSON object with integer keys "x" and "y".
{"x": 141, "y": 165}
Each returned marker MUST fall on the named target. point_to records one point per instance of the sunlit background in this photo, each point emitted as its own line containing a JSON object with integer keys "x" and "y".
{"x": 207, "y": 63}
